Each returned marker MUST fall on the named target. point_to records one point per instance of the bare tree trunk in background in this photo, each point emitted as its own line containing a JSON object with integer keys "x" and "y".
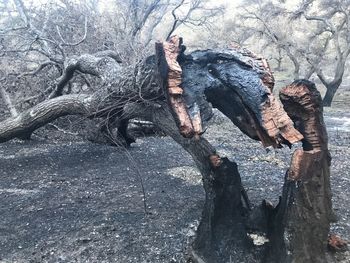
{"x": 331, "y": 85}
{"x": 8, "y": 102}
{"x": 330, "y": 93}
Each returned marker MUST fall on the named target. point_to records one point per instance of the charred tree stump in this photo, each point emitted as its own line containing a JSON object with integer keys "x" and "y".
{"x": 306, "y": 202}
{"x": 222, "y": 229}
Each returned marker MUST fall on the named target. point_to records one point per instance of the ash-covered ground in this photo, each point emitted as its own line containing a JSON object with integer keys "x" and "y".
{"x": 75, "y": 201}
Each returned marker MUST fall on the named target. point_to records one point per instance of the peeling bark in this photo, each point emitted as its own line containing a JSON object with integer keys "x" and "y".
{"x": 303, "y": 103}
{"x": 170, "y": 71}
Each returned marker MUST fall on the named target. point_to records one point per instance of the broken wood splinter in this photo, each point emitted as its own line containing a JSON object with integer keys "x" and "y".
{"x": 169, "y": 51}
{"x": 215, "y": 160}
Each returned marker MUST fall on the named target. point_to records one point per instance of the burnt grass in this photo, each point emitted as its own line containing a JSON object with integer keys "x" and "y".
{"x": 69, "y": 200}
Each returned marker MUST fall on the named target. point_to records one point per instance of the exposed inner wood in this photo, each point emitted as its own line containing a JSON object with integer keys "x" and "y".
{"x": 335, "y": 243}
{"x": 304, "y": 104}
{"x": 274, "y": 119}
{"x": 171, "y": 51}
{"x": 277, "y": 123}
{"x": 307, "y": 185}
{"x": 303, "y": 163}
{"x": 215, "y": 160}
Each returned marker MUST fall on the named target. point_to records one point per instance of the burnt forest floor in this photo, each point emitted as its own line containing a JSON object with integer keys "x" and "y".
{"x": 74, "y": 201}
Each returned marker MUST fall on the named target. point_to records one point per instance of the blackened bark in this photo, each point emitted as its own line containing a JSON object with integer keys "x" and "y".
{"x": 222, "y": 231}
{"x": 221, "y": 234}
{"x": 126, "y": 139}
{"x": 239, "y": 84}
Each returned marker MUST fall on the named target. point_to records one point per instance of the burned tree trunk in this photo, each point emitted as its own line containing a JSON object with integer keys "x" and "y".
{"x": 222, "y": 235}
{"x": 309, "y": 214}
{"x": 176, "y": 91}
{"x": 298, "y": 227}
{"x": 222, "y": 226}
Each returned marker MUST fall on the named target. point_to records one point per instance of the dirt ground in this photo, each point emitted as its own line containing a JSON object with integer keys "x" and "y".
{"x": 75, "y": 201}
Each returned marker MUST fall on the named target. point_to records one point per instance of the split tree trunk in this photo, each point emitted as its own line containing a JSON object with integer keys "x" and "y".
{"x": 308, "y": 180}
{"x": 304, "y": 212}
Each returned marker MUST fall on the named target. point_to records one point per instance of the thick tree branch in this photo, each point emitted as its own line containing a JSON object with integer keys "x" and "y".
{"x": 88, "y": 64}
{"x": 28, "y": 121}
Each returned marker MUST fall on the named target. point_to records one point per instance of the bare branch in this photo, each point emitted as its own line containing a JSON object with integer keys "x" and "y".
{"x": 38, "y": 69}
{"x": 176, "y": 20}
{"x": 150, "y": 9}
{"x": 65, "y": 43}
{"x": 329, "y": 26}
{"x": 38, "y": 35}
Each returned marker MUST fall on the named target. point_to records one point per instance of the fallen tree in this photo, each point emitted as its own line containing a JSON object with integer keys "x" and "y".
{"x": 176, "y": 92}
